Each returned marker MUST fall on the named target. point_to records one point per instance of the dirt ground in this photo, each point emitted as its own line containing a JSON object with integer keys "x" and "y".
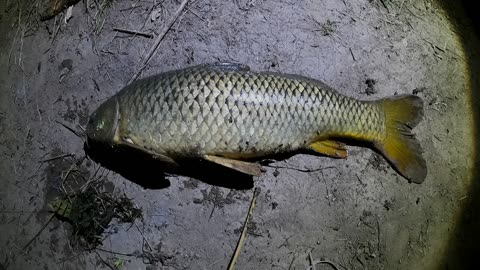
{"x": 356, "y": 213}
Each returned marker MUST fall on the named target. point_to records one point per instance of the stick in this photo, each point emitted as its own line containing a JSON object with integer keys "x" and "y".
{"x": 384, "y": 5}
{"x": 133, "y": 32}
{"x": 244, "y": 231}
{"x": 78, "y": 134}
{"x": 378, "y": 237}
{"x": 116, "y": 253}
{"x": 312, "y": 264}
{"x": 196, "y": 15}
{"x": 291, "y": 263}
{"x": 301, "y": 170}
{"x": 104, "y": 262}
{"x": 144, "y": 238}
{"x": 401, "y": 7}
{"x": 323, "y": 262}
{"x": 39, "y": 232}
{"x": 39, "y": 114}
{"x": 158, "y": 40}
{"x": 56, "y": 157}
{"x": 353, "y": 56}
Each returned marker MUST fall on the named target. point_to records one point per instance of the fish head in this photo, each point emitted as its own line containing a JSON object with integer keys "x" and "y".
{"x": 103, "y": 123}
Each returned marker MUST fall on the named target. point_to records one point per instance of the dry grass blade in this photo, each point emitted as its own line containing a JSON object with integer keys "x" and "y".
{"x": 322, "y": 262}
{"x": 75, "y": 132}
{"x": 231, "y": 265}
{"x": 39, "y": 232}
{"x": 159, "y": 39}
{"x": 57, "y": 157}
{"x": 103, "y": 261}
{"x": 301, "y": 170}
{"x": 91, "y": 211}
{"x": 133, "y": 32}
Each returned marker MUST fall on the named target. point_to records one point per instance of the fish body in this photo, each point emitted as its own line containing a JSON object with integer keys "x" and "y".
{"x": 227, "y": 113}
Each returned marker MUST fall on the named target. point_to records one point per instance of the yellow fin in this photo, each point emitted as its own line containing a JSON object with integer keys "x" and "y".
{"x": 399, "y": 146}
{"x": 330, "y": 148}
{"x": 238, "y": 165}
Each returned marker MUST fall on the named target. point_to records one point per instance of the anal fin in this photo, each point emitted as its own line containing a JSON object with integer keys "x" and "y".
{"x": 330, "y": 148}
{"x": 249, "y": 168}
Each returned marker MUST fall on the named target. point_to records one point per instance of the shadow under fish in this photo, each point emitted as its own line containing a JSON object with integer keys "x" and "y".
{"x": 150, "y": 173}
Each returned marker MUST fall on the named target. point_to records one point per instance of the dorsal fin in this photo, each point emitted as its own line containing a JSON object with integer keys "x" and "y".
{"x": 227, "y": 66}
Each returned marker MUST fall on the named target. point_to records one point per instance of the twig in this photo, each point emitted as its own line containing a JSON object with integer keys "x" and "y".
{"x": 401, "y": 7}
{"x": 384, "y": 5}
{"x": 409, "y": 24}
{"x": 323, "y": 262}
{"x": 353, "y": 56}
{"x": 244, "y": 232}
{"x": 378, "y": 237}
{"x": 20, "y": 187}
{"x": 78, "y": 134}
{"x": 144, "y": 238}
{"x": 312, "y": 263}
{"x": 23, "y": 212}
{"x": 55, "y": 32}
{"x": 211, "y": 213}
{"x": 25, "y": 141}
{"x": 196, "y": 15}
{"x": 130, "y": 8}
{"x": 133, "y": 32}
{"x": 68, "y": 258}
{"x": 434, "y": 46}
{"x": 291, "y": 262}
{"x": 300, "y": 170}
{"x": 56, "y": 157}
{"x": 327, "y": 191}
{"x": 80, "y": 127}
{"x": 90, "y": 180}
{"x": 65, "y": 179}
{"x": 39, "y": 114}
{"x": 97, "y": 87}
{"x": 35, "y": 173}
{"x": 11, "y": 48}
{"x": 159, "y": 39}
{"x": 285, "y": 242}
{"x": 40, "y": 231}
{"x": 104, "y": 262}
{"x": 117, "y": 253}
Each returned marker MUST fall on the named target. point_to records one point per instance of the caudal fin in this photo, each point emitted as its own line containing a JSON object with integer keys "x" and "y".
{"x": 399, "y": 146}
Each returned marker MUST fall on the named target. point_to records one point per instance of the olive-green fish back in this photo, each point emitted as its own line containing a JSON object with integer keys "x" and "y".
{"x": 213, "y": 111}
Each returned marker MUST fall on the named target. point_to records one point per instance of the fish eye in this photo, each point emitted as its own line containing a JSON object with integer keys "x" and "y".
{"x": 100, "y": 125}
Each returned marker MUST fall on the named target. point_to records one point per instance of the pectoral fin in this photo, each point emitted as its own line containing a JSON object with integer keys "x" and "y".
{"x": 238, "y": 165}
{"x": 330, "y": 148}
{"x": 167, "y": 161}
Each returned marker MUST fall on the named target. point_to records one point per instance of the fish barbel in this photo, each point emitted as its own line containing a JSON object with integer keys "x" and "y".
{"x": 228, "y": 114}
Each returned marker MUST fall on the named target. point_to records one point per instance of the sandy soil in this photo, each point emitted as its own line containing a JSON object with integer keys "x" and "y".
{"x": 356, "y": 213}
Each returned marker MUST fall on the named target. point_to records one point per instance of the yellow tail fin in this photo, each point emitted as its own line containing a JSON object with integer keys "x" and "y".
{"x": 399, "y": 146}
